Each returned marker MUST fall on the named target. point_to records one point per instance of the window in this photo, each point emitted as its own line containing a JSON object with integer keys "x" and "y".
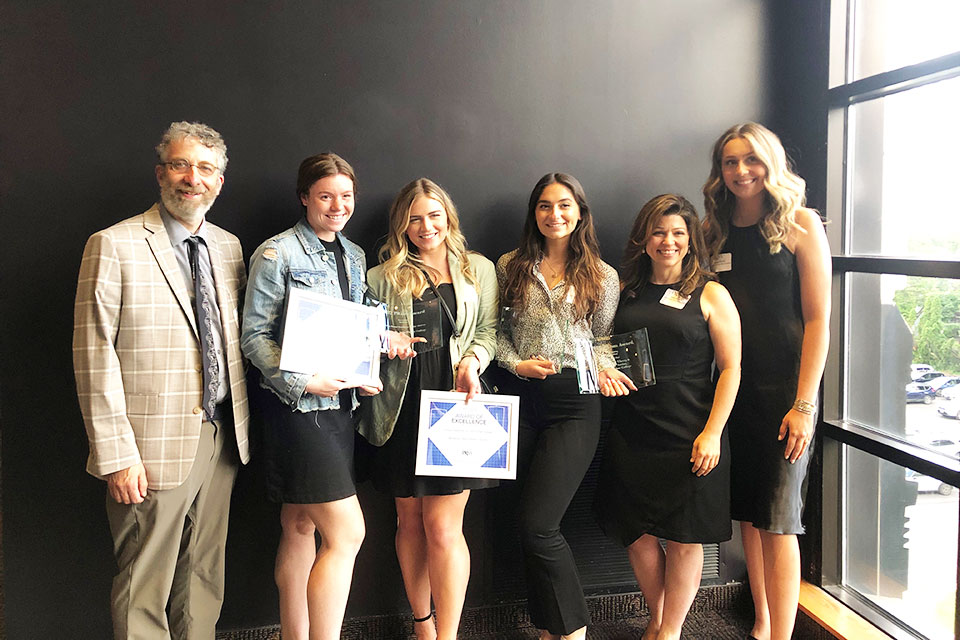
{"x": 892, "y": 387}
{"x": 900, "y": 554}
{"x": 890, "y": 34}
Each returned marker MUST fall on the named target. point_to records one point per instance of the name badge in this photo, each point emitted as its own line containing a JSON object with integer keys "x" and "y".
{"x": 723, "y": 262}
{"x": 673, "y": 298}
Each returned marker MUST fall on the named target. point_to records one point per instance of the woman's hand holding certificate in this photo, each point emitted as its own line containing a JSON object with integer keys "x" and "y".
{"x": 468, "y": 377}
{"x": 326, "y": 387}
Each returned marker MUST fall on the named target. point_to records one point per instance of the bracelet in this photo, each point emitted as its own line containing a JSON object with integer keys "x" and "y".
{"x": 804, "y": 406}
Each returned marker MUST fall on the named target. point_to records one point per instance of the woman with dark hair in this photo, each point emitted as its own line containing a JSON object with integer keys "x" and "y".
{"x": 771, "y": 253}
{"x": 309, "y": 435}
{"x": 561, "y": 292}
{"x": 425, "y": 260}
{"x": 665, "y": 471}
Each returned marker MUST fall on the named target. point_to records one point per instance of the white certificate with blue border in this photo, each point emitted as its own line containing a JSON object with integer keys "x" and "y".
{"x": 475, "y": 440}
{"x": 332, "y": 337}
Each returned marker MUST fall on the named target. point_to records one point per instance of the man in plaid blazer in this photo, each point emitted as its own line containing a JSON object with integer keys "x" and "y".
{"x": 168, "y": 461}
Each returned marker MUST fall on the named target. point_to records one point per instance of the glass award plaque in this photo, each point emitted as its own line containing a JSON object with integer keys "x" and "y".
{"x": 381, "y": 322}
{"x": 507, "y": 322}
{"x": 631, "y": 352}
{"x": 428, "y": 324}
{"x": 587, "y": 375}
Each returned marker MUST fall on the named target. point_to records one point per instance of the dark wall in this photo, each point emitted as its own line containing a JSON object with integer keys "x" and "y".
{"x": 483, "y": 97}
{"x": 798, "y": 80}
{"x": 797, "y": 72}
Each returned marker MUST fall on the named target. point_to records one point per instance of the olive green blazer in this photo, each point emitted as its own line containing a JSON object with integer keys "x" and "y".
{"x": 476, "y": 316}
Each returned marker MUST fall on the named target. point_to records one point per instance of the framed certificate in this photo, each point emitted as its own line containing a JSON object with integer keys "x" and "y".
{"x": 475, "y": 440}
{"x": 332, "y": 337}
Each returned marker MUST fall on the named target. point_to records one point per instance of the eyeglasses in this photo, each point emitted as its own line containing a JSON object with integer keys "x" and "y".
{"x": 205, "y": 169}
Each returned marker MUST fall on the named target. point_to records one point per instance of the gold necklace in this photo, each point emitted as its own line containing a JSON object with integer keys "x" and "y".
{"x": 555, "y": 274}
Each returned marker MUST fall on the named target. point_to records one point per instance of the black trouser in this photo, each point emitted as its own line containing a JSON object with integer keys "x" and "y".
{"x": 559, "y": 430}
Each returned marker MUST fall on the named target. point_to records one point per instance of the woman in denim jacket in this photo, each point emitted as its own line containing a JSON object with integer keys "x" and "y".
{"x": 426, "y": 255}
{"x": 308, "y": 435}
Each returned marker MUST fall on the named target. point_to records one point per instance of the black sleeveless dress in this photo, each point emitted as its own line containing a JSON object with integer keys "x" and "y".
{"x": 395, "y": 462}
{"x": 765, "y": 488}
{"x": 646, "y": 485}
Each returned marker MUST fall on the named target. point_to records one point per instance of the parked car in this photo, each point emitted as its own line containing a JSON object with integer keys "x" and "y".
{"x": 928, "y": 484}
{"x": 917, "y": 370}
{"x": 919, "y": 392}
{"x": 943, "y": 383}
{"x": 927, "y": 376}
{"x": 949, "y": 406}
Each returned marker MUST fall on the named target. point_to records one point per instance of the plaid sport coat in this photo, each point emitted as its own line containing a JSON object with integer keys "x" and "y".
{"x": 136, "y": 351}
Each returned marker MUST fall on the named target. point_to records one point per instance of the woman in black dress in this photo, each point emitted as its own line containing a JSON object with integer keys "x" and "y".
{"x": 771, "y": 253}
{"x": 665, "y": 467}
{"x": 308, "y": 433}
{"x": 426, "y": 255}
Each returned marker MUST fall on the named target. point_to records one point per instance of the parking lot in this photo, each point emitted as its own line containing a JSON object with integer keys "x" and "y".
{"x": 924, "y": 425}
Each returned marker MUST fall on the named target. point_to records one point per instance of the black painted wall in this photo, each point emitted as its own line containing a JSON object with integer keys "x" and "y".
{"x": 482, "y": 96}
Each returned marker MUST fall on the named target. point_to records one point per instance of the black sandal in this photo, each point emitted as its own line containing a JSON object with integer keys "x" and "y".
{"x": 423, "y": 619}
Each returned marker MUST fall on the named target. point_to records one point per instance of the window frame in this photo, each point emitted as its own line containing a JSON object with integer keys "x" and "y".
{"x": 836, "y": 431}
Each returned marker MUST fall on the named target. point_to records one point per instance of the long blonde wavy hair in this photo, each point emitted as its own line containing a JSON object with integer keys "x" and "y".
{"x": 402, "y": 265}
{"x": 785, "y": 190}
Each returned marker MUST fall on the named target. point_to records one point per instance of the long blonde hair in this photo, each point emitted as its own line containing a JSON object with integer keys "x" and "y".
{"x": 402, "y": 266}
{"x": 785, "y": 190}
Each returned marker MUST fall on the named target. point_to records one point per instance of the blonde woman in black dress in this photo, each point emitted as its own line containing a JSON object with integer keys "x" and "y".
{"x": 426, "y": 256}
{"x": 771, "y": 253}
{"x": 665, "y": 472}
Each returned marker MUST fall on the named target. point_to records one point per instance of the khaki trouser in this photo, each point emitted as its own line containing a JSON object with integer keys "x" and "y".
{"x": 170, "y": 548}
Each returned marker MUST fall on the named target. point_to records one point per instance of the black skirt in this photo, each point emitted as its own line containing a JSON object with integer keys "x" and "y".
{"x": 308, "y": 457}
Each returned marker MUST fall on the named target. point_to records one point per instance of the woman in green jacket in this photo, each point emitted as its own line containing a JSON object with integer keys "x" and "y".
{"x": 425, "y": 258}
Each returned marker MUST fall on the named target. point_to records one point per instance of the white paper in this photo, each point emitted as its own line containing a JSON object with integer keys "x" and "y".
{"x": 475, "y": 440}
{"x": 332, "y": 337}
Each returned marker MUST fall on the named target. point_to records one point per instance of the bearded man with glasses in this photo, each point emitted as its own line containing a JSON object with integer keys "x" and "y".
{"x": 161, "y": 385}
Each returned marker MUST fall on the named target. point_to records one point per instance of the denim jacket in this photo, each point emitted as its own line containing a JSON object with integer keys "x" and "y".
{"x": 294, "y": 258}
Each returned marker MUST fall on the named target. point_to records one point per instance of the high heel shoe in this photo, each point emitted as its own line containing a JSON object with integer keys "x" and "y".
{"x": 426, "y": 618}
